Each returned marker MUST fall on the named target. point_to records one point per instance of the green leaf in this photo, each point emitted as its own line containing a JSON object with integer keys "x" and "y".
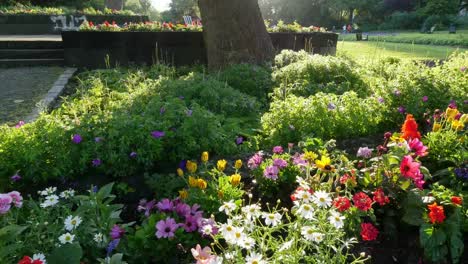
{"x": 69, "y": 253}
{"x": 105, "y": 191}
{"x": 117, "y": 259}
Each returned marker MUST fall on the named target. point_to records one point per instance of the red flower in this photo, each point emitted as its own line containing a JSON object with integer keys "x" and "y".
{"x": 436, "y": 213}
{"x": 380, "y": 198}
{"x": 113, "y": 23}
{"x": 457, "y": 200}
{"x": 369, "y": 232}
{"x": 409, "y": 168}
{"x": 37, "y": 261}
{"x": 293, "y": 196}
{"x": 106, "y": 23}
{"x": 91, "y": 24}
{"x": 362, "y": 201}
{"x": 342, "y": 203}
{"x": 25, "y": 260}
{"x": 410, "y": 128}
{"x": 348, "y": 179}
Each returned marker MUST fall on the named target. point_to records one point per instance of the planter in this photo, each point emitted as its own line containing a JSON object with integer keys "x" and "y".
{"x": 97, "y": 49}
{"x": 54, "y": 24}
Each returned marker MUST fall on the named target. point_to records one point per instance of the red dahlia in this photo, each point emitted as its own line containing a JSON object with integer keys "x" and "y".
{"x": 362, "y": 201}
{"x": 342, "y": 203}
{"x": 457, "y": 200}
{"x": 369, "y": 232}
{"x": 436, "y": 213}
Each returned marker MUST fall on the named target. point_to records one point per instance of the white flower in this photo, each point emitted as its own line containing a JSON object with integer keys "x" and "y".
{"x": 303, "y": 183}
{"x": 227, "y": 230}
{"x": 254, "y": 258}
{"x": 286, "y": 245}
{"x": 251, "y": 211}
{"x": 249, "y": 225}
{"x": 67, "y": 193}
{"x": 306, "y": 211}
{"x": 66, "y": 238}
{"x": 309, "y": 234}
{"x": 304, "y": 195}
{"x": 272, "y": 219}
{"x": 336, "y": 219}
{"x": 48, "y": 191}
{"x": 98, "y": 238}
{"x": 247, "y": 243}
{"x": 72, "y": 222}
{"x": 317, "y": 237}
{"x": 50, "y": 200}
{"x": 237, "y": 236}
{"x": 229, "y": 255}
{"x": 207, "y": 230}
{"x": 41, "y": 257}
{"x": 322, "y": 199}
{"x": 228, "y": 207}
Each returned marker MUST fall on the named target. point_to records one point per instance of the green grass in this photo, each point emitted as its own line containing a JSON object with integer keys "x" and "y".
{"x": 460, "y": 39}
{"x": 376, "y": 50}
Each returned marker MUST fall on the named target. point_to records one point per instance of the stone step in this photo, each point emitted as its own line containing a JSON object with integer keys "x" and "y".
{"x": 31, "y": 54}
{"x": 8, "y": 63}
{"x": 34, "y": 44}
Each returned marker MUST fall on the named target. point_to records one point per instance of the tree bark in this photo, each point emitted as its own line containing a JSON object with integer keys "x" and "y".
{"x": 234, "y": 32}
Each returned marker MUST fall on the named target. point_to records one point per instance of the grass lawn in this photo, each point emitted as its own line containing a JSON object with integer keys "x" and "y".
{"x": 376, "y": 50}
{"x": 460, "y": 39}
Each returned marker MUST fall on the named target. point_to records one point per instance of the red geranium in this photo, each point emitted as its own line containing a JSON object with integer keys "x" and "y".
{"x": 362, "y": 201}
{"x": 436, "y": 213}
{"x": 380, "y": 198}
{"x": 29, "y": 260}
{"x": 410, "y": 128}
{"x": 342, "y": 203}
{"x": 346, "y": 178}
{"x": 369, "y": 232}
{"x": 457, "y": 200}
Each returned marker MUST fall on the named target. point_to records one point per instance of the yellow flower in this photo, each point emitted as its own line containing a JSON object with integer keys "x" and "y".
{"x": 202, "y": 184}
{"x": 191, "y": 166}
{"x": 183, "y": 194}
{"x": 436, "y": 127}
{"x": 457, "y": 125}
{"x": 235, "y": 179}
{"x": 192, "y": 181}
{"x": 205, "y": 157}
{"x": 451, "y": 113}
{"x": 180, "y": 172}
{"x": 238, "y": 164}
{"x": 310, "y": 156}
{"x": 221, "y": 165}
{"x": 324, "y": 163}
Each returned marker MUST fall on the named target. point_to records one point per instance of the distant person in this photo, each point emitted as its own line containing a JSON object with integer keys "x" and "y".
{"x": 344, "y": 29}
{"x": 350, "y": 28}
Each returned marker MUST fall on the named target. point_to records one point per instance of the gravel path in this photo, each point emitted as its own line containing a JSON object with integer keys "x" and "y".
{"x": 22, "y": 88}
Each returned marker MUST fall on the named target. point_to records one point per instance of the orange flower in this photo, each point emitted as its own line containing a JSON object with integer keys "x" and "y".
{"x": 457, "y": 200}
{"x": 410, "y": 128}
{"x": 436, "y": 213}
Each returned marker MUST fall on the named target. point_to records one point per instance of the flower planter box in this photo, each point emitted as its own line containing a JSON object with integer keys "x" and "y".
{"x": 54, "y": 24}
{"x": 97, "y": 49}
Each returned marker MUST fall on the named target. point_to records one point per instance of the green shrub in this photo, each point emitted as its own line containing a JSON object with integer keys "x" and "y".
{"x": 287, "y": 57}
{"x": 402, "y": 20}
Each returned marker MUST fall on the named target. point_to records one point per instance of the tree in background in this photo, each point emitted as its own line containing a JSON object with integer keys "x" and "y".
{"x": 180, "y": 8}
{"x": 441, "y": 7}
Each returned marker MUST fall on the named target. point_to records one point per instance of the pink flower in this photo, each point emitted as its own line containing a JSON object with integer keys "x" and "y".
{"x": 409, "y": 168}
{"x": 5, "y": 203}
{"x": 417, "y": 146}
{"x": 17, "y": 198}
{"x": 203, "y": 256}
{"x": 271, "y": 172}
{"x": 166, "y": 228}
{"x": 278, "y": 150}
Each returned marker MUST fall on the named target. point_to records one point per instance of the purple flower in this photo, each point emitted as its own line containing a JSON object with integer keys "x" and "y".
{"x": 17, "y": 199}
{"x": 425, "y": 98}
{"x": 331, "y": 106}
{"x": 96, "y": 162}
{"x": 195, "y": 212}
{"x": 299, "y": 160}
{"x": 190, "y": 224}
{"x": 463, "y": 69}
{"x": 117, "y": 232}
{"x": 364, "y": 152}
{"x": 203, "y": 223}
{"x": 182, "y": 209}
{"x": 453, "y": 104}
{"x": 401, "y": 109}
{"x": 157, "y": 134}
{"x": 255, "y": 160}
{"x": 239, "y": 140}
{"x": 5, "y": 203}
{"x": 181, "y": 97}
{"x": 146, "y": 206}
{"x": 278, "y": 150}
{"x": 165, "y": 205}
{"x": 183, "y": 165}
{"x": 271, "y": 172}
{"x": 76, "y": 138}
{"x": 162, "y": 110}
{"x": 166, "y": 228}
{"x": 112, "y": 245}
{"x": 20, "y": 124}
{"x": 97, "y": 139}
{"x": 16, "y": 177}
{"x": 280, "y": 163}
{"x": 133, "y": 154}
{"x": 381, "y": 100}
{"x": 397, "y": 93}
{"x": 461, "y": 173}
{"x": 189, "y": 112}
{"x": 94, "y": 189}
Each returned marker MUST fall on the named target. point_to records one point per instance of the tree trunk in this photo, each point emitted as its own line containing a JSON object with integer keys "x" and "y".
{"x": 234, "y": 32}
{"x": 114, "y": 4}
{"x": 351, "y": 15}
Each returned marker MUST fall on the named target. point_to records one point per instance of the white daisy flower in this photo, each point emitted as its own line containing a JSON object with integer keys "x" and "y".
{"x": 72, "y": 223}
{"x": 303, "y": 183}
{"x": 251, "y": 211}
{"x": 272, "y": 219}
{"x": 249, "y": 225}
{"x": 307, "y": 232}
{"x": 99, "y": 237}
{"x": 255, "y": 258}
{"x": 228, "y": 207}
{"x": 322, "y": 199}
{"x": 48, "y": 191}
{"x": 41, "y": 257}
{"x": 304, "y": 195}
{"x": 50, "y": 200}
{"x": 336, "y": 220}
{"x": 229, "y": 255}
{"x": 66, "y": 238}
{"x": 237, "y": 237}
{"x": 207, "y": 230}
{"x": 67, "y": 193}
{"x": 247, "y": 243}
{"x": 306, "y": 211}
{"x": 227, "y": 230}
{"x": 317, "y": 237}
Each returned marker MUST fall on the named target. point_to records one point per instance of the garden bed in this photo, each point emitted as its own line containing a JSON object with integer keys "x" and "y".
{"x": 96, "y": 49}
{"x": 26, "y": 24}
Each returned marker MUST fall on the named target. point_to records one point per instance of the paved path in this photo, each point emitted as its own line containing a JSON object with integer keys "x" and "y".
{"x": 21, "y": 88}
{"x": 30, "y": 38}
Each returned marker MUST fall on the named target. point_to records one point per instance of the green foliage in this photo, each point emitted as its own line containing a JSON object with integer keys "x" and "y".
{"x": 70, "y": 253}
{"x": 402, "y": 20}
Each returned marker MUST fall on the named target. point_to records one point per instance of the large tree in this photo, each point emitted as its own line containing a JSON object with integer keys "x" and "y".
{"x": 234, "y": 32}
